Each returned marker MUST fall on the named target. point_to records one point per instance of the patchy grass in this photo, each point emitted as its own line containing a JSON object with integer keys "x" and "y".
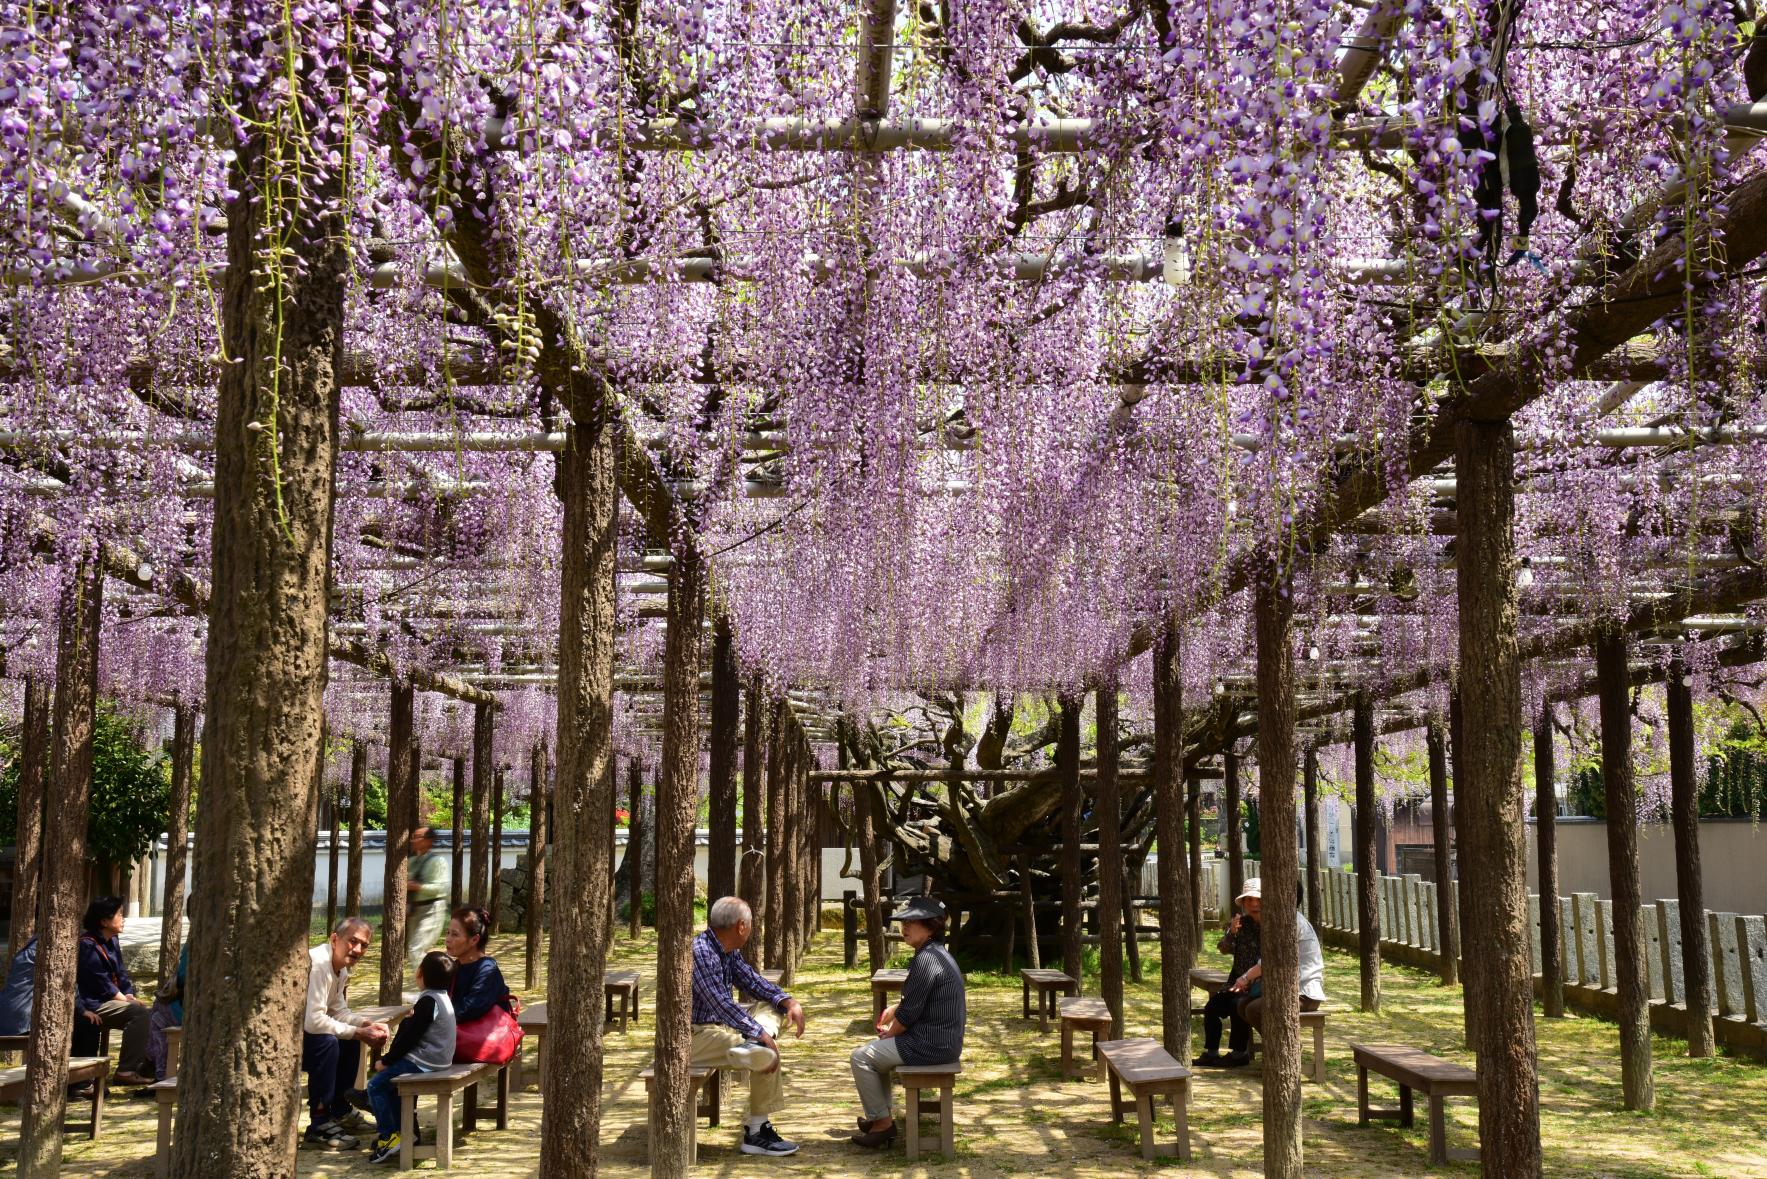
{"x": 1017, "y": 1117}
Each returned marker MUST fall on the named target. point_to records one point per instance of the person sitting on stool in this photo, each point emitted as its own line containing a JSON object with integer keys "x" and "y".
{"x": 1242, "y": 941}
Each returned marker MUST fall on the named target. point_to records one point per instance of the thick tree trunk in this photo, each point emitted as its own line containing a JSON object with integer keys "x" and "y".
{"x": 482, "y": 770}
{"x": 496, "y": 853}
{"x": 773, "y": 926}
{"x": 536, "y": 910}
{"x": 1447, "y": 927}
{"x": 1367, "y": 878}
{"x": 1632, "y": 999}
{"x": 1314, "y": 828}
{"x": 634, "y": 847}
{"x": 583, "y": 800}
{"x": 1110, "y": 856}
{"x": 1232, "y": 829}
{"x": 358, "y": 819}
{"x": 721, "y": 786}
{"x": 677, "y": 804}
{"x": 1193, "y": 815}
{"x": 68, "y": 785}
{"x": 329, "y": 806}
{"x": 751, "y": 882}
{"x": 1279, "y": 934}
{"x": 401, "y": 800}
{"x": 178, "y": 842}
{"x": 1488, "y": 803}
{"x": 457, "y": 849}
{"x": 1552, "y": 962}
{"x": 1067, "y": 758}
{"x": 266, "y": 663}
{"x": 1684, "y": 813}
{"x": 1177, "y": 938}
{"x": 32, "y": 771}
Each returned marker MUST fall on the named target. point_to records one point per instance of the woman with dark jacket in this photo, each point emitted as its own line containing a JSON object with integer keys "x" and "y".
{"x": 478, "y": 984}
{"x": 105, "y": 994}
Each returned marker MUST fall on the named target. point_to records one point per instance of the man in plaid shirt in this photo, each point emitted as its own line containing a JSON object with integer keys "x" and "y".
{"x": 727, "y": 1035}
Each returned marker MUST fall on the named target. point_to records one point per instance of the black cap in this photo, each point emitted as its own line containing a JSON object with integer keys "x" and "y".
{"x": 919, "y": 909}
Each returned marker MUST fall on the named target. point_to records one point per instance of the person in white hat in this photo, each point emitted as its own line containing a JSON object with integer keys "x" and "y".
{"x": 1242, "y": 941}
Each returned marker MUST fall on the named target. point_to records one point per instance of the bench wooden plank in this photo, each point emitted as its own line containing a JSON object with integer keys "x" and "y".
{"x": 1143, "y": 1064}
{"x": 1141, "y": 1061}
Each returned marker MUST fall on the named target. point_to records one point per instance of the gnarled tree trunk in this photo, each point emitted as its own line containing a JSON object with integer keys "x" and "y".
{"x": 1619, "y": 784}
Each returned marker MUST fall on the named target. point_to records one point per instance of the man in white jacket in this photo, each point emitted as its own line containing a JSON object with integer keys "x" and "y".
{"x": 332, "y": 1036}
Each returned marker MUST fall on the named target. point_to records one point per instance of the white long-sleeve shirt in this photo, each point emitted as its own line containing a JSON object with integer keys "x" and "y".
{"x": 328, "y": 1002}
{"x": 1312, "y": 960}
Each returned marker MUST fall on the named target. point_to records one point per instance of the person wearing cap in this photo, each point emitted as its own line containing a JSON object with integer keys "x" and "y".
{"x": 727, "y": 1035}
{"x": 1242, "y": 941}
{"x": 1312, "y": 971}
{"x": 926, "y": 1027}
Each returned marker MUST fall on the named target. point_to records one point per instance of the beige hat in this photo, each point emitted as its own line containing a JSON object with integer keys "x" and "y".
{"x": 1251, "y": 888}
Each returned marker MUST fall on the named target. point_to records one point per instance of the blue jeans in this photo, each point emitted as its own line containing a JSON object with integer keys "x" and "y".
{"x": 384, "y": 1099}
{"x": 330, "y": 1065}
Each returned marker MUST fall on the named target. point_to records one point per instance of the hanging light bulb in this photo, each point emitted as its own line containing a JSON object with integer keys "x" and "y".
{"x": 1313, "y": 653}
{"x": 1220, "y": 687}
{"x": 144, "y": 571}
{"x": 1525, "y": 577}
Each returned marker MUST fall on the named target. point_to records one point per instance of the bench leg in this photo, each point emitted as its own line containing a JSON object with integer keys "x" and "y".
{"x": 1361, "y": 1095}
{"x": 162, "y": 1142}
{"x": 407, "y": 1131}
{"x": 1025, "y": 987}
{"x": 650, "y": 1124}
{"x": 98, "y": 1088}
{"x": 948, "y": 1122}
{"x": 1144, "y": 1119}
{"x": 913, "y": 1096}
{"x": 1116, "y": 1099}
{"x": 1067, "y": 1050}
{"x": 445, "y": 1129}
{"x": 1319, "y": 1054}
{"x": 540, "y": 1064}
{"x": 1438, "y": 1132}
{"x": 469, "y": 1113}
{"x": 715, "y": 1085}
{"x": 1405, "y": 1112}
{"x": 503, "y": 1098}
{"x": 1181, "y": 1111}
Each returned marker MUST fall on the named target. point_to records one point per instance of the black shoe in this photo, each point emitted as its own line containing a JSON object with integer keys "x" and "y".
{"x": 1208, "y": 1060}
{"x": 875, "y": 1139}
{"x": 766, "y": 1140}
{"x": 1236, "y": 1060}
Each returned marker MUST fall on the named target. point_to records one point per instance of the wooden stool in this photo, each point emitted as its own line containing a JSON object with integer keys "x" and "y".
{"x": 532, "y": 1022}
{"x": 1145, "y": 1067}
{"x": 1086, "y": 1015}
{"x": 444, "y": 1084}
{"x": 1316, "y": 1021}
{"x": 882, "y": 983}
{"x": 1413, "y": 1068}
{"x": 1049, "y": 985}
{"x": 706, "y": 1099}
{"x": 943, "y": 1077}
{"x": 621, "y": 985}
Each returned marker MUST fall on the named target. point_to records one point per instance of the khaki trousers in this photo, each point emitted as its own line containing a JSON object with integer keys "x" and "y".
{"x": 718, "y": 1046}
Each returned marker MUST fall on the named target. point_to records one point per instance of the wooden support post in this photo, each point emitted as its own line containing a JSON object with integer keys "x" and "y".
{"x": 1110, "y": 856}
{"x": 865, "y": 805}
{"x": 1232, "y": 829}
{"x": 751, "y": 884}
{"x": 457, "y": 838}
{"x": 535, "y": 916}
{"x": 634, "y": 846}
{"x": 1447, "y": 929}
{"x": 358, "y": 819}
{"x": 401, "y": 800}
{"x": 1315, "y": 835}
{"x": 68, "y": 786}
{"x": 1367, "y": 878}
{"x": 492, "y": 900}
{"x": 1488, "y": 802}
{"x": 677, "y": 803}
{"x": 1028, "y": 900}
{"x": 773, "y": 926}
{"x": 1067, "y": 760}
{"x": 721, "y": 785}
{"x": 1552, "y": 962}
{"x": 178, "y": 842}
{"x": 1193, "y": 817}
{"x": 1273, "y": 610}
{"x": 482, "y": 769}
{"x": 1684, "y": 811}
{"x": 1177, "y": 937}
{"x": 34, "y": 755}
{"x": 1612, "y": 651}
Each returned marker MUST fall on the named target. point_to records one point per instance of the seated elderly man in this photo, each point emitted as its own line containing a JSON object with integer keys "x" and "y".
{"x": 332, "y": 1036}
{"x": 926, "y": 1027}
{"x": 727, "y": 1035}
{"x": 1312, "y": 972}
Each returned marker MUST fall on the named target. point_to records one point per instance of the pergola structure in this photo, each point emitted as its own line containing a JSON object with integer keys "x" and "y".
{"x": 364, "y": 363}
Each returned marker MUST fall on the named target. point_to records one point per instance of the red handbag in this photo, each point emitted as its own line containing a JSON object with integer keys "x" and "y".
{"x": 492, "y": 1038}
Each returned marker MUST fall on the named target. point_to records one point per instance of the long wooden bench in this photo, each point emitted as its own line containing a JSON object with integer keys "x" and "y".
{"x": 1050, "y": 985}
{"x": 1413, "y": 1068}
{"x": 883, "y": 983}
{"x": 943, "y": 1079}
{"x": 707, "y": 1095}
{"x": 80, "y": 1069}
{"x": 1147, "y": 1070}
{"x": 443, "y": 1084}
{"x": 1081, "y": 1015}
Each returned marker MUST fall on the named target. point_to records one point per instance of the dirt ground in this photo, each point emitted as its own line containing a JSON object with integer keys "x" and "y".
{"x": 1016, "y": 1117}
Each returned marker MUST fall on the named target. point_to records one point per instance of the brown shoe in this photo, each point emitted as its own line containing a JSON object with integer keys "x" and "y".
{"x": 875, "y": 1139}
{"x": 122, "y": 1078}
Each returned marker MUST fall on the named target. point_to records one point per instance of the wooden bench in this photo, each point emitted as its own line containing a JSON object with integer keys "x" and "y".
{"x": 1147, "y": 1070}
{"x": 80, "y": 1069}
{"x": 707, "y": 1096}
{"x": 1050, "y": 985}
{"x": 1081, "y": 1015}
{"x": 883, "y": 982}
{"x": 942, "y": 1077}
{"x": 532, "y": 1022}
{"x": 621, "y": 985}
{"x": 443, "y": 1084}
{"x": 1414, "y": 1068}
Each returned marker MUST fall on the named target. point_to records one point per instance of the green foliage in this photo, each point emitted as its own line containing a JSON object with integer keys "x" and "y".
{"x": 131, "y": 792}
{"x": 1735, "y": 785}
{"x": 1250, "y": 825}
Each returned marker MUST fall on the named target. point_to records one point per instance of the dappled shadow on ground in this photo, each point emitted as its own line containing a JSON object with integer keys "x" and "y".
{"x": 1016, "y": 1115}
